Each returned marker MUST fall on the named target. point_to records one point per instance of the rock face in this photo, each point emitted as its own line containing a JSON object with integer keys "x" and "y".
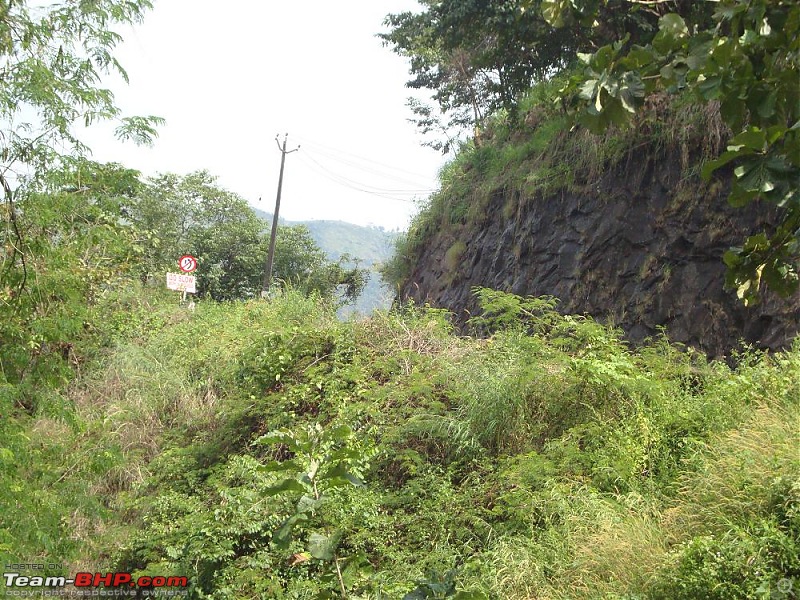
{"x": 640, "y": 249}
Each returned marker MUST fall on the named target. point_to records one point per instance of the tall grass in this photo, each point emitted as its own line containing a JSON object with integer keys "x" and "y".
{"x": 546, "y": 460}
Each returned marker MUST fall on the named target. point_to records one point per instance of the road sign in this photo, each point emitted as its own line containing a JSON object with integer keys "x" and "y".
{"x": 182, "y": 283}
{"x": 187, "y": 263}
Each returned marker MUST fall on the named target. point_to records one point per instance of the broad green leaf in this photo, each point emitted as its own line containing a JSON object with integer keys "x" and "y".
{"x": 748, "y": 37}
{"x": 341, "y": 473}
{"x": 283, "y": 536}
{"x": 287, "y": 485}
{"x": 324, "y": 547}
{"x": 766, "y": 107}
{"x": 598, "y": 105}
{"x": 276, "y": 437}
{"x": 588, "y": 89}
{"x": 781, "y": 277}
{"x": 345, "y": 455}
{"x": 312, "y": 469}
{"x": 726, "y": 11}
{"x": 640, "y": 57}
{"x": 732, "y": 258}
{"x": 673, "y": 25}
{"x": 753, "y": 138}
{"x": 757, "y": 242}
{"x": 777, "y": 165}
{"x": 278, "y": 467}
{"x": 631, "y": 90}
{"x": 733, "y": 109}
{"x": 341, "y": 433}
{"x": 308, "y": 504}
{"x": 554, "y": 11}
{"x": 710, "y": 88}
{"x": 726, "y": 157}
{"x": 745, "y": 291}
{"x": 775, "y": 133}
{"x": 740, "y": 196}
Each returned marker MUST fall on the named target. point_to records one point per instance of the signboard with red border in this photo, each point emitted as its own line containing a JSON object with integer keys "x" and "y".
{"x": 182, "y": 282}
{"x": 187, "y": 263}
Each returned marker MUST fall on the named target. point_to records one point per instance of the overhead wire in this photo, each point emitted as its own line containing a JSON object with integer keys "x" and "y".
{"x": 339, "y": 179}
{"x": 403, "y": 190}
{"x": 416, "y": 183}
{"x": 357, "y": 161}
{"x": 400, "y": 180}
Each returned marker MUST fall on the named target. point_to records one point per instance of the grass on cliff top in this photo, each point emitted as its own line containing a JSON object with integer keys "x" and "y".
{"x": 547, "y": 461}
{"x": 542, "y": 153}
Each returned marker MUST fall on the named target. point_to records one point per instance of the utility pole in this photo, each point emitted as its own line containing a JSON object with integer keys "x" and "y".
{"x": 271, "y": 253}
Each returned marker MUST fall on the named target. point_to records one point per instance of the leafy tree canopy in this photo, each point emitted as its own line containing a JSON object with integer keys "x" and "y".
{"x": 62, "y": 239}
{"x": 747, "y": 58}
{"x": 480, "y": 56}
{"x": 53, "y": 58}
{"x": 174, "y": 215}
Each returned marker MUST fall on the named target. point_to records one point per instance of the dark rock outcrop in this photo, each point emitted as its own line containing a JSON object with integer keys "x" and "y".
{"x": 640, "y": 248}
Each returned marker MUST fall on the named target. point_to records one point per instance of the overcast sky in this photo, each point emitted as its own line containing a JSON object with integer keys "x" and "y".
{"x": 229, "y": 76}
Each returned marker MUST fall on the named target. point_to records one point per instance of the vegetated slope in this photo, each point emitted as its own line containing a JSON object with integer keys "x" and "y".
{"x": 619, "y": 226}
{"x": 229, "y": 445}
{"x": 371, "y": 246}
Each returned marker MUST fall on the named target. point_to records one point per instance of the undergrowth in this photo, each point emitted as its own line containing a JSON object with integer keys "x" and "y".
{"x": 268, "y": 450}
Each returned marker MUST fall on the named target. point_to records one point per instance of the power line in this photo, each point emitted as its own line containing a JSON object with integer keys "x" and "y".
{"x": 365, "y": 185}
{"x": 318, "y": 168}
{"x": 323, "y": 147}
{"x": 401, "y": 179}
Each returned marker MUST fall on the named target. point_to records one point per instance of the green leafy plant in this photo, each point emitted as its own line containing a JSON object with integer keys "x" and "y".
{"x": 745, "y": 58}
{"x": 323, "y": 460}
{"x": 441, "y": 585}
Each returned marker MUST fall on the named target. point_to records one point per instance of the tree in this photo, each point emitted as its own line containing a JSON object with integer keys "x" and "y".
{"x": 52, "y": 59}
{"x": 481, "y": 56}
{"x": 175, "y": 215}
{"x": 58, "y": 223}
{"x": 474, "y": 56}
{"x": 78, "y": 247}
{"x": 747, "y": 58}
{"x": 303, "y": 264}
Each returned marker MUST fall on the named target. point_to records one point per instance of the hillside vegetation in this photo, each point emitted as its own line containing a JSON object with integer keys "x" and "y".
{"x": 262, "y": 447}
{"x": 266, "y": 449}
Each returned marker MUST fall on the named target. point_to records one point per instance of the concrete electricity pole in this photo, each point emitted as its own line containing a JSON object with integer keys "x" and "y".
{"x": 271, "y": 253}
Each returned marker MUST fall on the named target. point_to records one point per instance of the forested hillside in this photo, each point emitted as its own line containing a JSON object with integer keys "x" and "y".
{"x": 242, "y": 444}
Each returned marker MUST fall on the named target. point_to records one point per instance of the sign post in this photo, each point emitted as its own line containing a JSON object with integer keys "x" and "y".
{"x": 183, "y": 282}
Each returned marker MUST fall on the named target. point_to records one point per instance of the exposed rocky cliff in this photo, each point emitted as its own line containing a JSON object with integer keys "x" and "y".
{"x": 642, "y": 248}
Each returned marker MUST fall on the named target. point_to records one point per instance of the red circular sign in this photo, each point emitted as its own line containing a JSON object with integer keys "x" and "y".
{"x": 187, "y": 263}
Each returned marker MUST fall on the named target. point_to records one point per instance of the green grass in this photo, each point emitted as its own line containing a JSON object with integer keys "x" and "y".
{"x": 548, "y": 460}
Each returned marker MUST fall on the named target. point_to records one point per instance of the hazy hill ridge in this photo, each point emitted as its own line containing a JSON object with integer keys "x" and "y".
{"x": 371, "y": 246}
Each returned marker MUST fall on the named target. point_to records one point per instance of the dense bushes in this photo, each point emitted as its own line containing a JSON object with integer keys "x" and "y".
{"x": 546, "y": 460}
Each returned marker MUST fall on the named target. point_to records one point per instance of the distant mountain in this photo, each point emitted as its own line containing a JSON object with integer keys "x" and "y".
{"x": 370, "y": 245}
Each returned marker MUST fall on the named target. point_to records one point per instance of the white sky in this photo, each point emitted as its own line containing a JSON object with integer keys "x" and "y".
{"x": 229, "y": 76}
